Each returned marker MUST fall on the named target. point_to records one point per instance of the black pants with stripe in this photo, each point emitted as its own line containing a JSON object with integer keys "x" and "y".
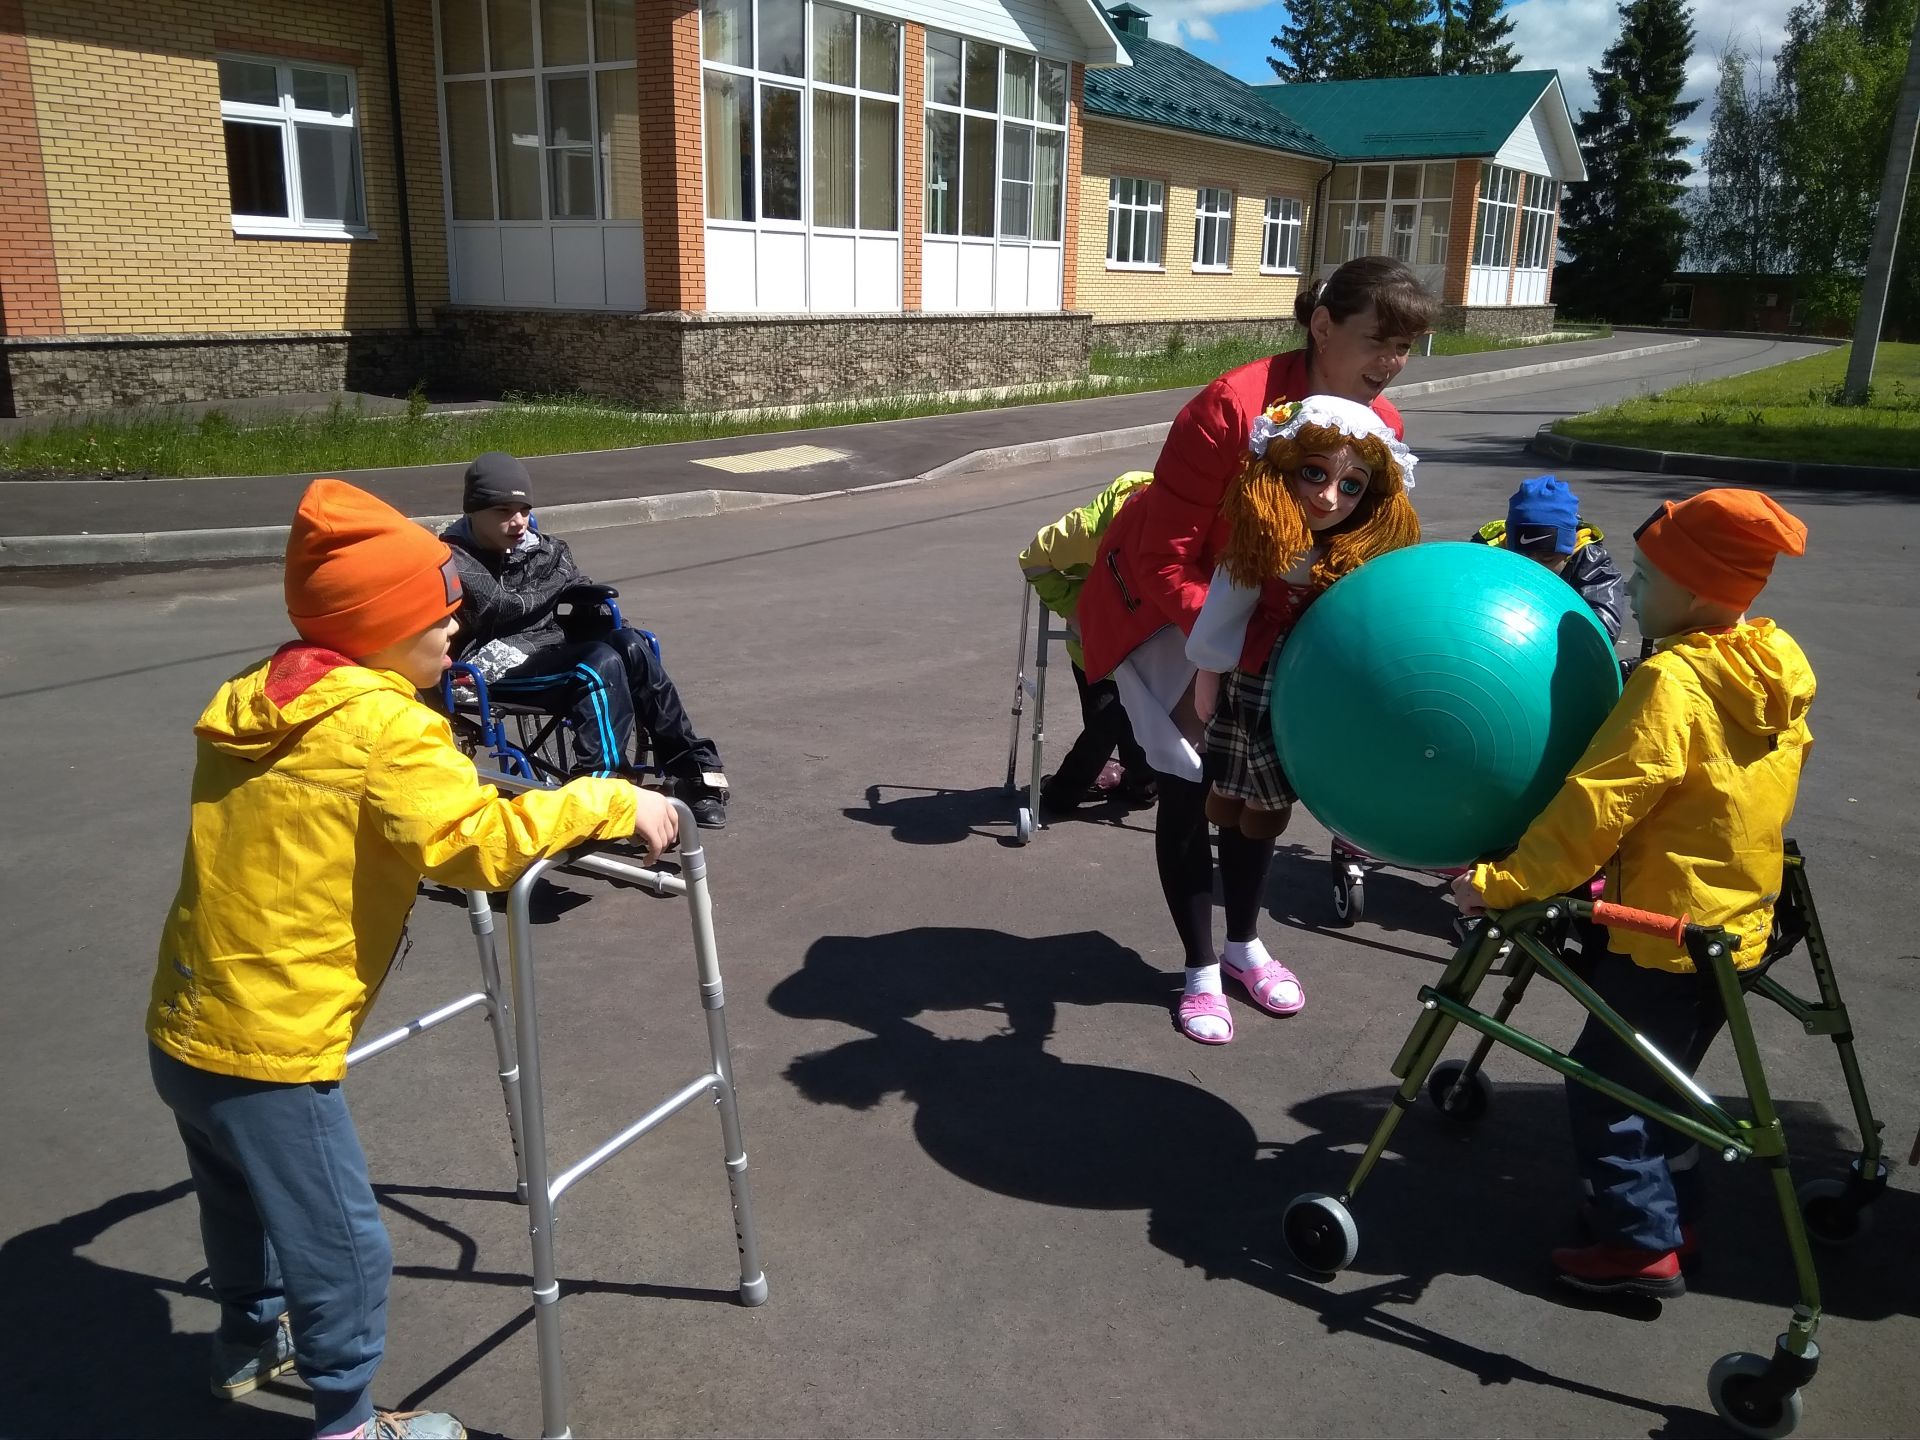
{"x": 606, "y": 686}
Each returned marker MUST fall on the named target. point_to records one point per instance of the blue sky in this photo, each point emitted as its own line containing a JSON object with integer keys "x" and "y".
{"x": 1564, "y": 35}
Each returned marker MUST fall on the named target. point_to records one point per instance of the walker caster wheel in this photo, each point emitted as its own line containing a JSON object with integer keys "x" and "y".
{"x": 1460, "y": 1097}
{"x": 1320, "y": 1233}
{"x": 1831, "y": 1215}
{"x": 1023, "y": 826}
{"x": 1349, "y": 892}
{"x": 1736, "y": 1385}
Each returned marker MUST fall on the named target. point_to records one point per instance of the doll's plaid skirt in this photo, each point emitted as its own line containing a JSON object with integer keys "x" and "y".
{"x": 1241, "y": 761}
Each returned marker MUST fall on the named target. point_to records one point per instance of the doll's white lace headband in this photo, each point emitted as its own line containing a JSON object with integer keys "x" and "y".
{"x": 1329, "y": 412}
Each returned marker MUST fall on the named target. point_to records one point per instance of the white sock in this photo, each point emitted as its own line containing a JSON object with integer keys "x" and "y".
{"x": 1244, "y": 955}
{"x": 1205, "y": 980}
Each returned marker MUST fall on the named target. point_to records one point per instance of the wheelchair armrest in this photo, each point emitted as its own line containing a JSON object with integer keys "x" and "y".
{"x": 587, "y": 610}
{"x": 588, "y": 594}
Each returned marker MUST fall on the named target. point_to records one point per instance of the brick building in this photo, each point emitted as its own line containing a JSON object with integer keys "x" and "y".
{"x": 692, "y": 202}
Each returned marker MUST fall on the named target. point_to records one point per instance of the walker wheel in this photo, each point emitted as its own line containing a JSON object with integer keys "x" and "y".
{"x": 1460, "y": 1097}
{"x": 1320, "y": 1233}
{"x": 1023, "y": 825}
{"x": 1831, "y": 1217}
{"x": 1349, "y": 892}
{"x": 1734, "y": 1386}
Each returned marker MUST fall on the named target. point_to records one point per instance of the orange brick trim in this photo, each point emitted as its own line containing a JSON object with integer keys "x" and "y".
{"x": 1076, "y": 160}
{"x": 1460, "y": 237}
{"x": 29, "y": 270}
{"x": 672, "y": 198}
{"x": 285, "y": 47}
{"x": 913, "y": 167}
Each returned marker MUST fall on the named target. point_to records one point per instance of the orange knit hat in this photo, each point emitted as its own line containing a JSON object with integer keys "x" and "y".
{"x": 1721, "y": 544}
{"x": 360, "y": 575}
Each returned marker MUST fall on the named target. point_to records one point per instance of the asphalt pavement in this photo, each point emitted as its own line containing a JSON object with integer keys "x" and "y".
{"x": 998, "y": 1193}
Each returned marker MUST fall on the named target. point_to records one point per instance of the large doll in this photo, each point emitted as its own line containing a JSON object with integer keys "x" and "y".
{"x": 1323, "y": 489}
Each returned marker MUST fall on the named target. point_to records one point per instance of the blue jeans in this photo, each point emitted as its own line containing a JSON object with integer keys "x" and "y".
{"x": 289, "y": 1223}
{"x": 1642, "y": 1175}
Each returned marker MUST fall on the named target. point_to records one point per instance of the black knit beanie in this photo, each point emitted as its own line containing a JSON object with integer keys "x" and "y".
{"x": 496, "y": 478}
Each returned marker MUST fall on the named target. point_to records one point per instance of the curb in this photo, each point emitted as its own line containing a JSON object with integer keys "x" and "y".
{"x": 267, "y": 542}
{"x": 1741, "y": 470}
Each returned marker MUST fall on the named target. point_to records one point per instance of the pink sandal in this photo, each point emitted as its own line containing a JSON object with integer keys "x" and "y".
{"x": 1262, "y": 981}
{"x": 1195, "y": 1007}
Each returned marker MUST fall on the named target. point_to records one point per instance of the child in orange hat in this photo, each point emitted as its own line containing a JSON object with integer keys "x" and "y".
{"x": 1682, "y": 800}
{"x": 323, "y": 791}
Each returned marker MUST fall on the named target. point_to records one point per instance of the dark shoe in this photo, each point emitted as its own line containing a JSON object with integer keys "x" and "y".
{"x": 1139, "y": 794}
{"x": 1689, "y": 1251}
{"x": 1055, "y": 800}
{"x": 709, "y": 808}
{"x": 1620, "y": 1270}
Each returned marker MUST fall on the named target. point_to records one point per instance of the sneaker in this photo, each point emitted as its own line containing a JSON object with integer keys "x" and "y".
{"x": 415, "y": 1425}
{"x": 239, "y": 1369}
{"x": 1620, "y": 1270}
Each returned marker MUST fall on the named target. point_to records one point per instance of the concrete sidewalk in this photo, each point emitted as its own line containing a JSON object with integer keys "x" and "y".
{"x": 91, "y": 522}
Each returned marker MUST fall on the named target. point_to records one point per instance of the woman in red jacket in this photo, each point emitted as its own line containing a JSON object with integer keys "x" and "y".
{"x": 1150, "y": 581}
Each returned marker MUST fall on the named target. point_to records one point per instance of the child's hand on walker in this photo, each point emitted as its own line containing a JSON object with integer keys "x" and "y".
{"x": 656, "y": 824}
{"x": 1467, "y": 895}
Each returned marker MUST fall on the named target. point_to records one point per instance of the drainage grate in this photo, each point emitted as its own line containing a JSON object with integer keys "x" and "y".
{"x": 788, "y": 457}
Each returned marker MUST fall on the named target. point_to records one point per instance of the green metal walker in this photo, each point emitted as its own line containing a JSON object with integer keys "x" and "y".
{"x": 1757, "y": 1396}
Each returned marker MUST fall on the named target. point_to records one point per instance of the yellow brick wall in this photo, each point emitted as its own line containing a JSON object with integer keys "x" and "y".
{"x": 128, "y": 102}
{"x": 1183, "y": 163}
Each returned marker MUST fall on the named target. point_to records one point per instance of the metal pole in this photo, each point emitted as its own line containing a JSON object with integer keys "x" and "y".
{"x": 1039, "y": 716}
{"x": 1019, "y": 685}
{"x": 533, "y": 1121}
{"x": 500, "y": 1022}
{"x": 1886, "y": 230}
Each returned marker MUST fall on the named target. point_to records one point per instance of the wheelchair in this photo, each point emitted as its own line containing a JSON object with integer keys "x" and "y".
{"x": 529, "y": 741}
{"x": 1757, "y": 1395}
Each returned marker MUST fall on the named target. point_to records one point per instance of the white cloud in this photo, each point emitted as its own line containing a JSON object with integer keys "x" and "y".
{"x": 1180, "y": 21}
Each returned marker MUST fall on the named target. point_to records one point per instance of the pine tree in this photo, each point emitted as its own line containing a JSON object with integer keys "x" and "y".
{"x": 1473, "y": 38}
{"x": 1388, "y": 38}
{"x": 1624, "y": 227}
{"x": 1309, "y": 42}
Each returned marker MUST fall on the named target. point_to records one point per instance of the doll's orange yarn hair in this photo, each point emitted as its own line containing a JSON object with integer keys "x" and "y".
{"x": 1268, "y": 530}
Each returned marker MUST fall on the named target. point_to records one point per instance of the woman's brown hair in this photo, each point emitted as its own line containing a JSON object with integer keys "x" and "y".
{"x": 1404, "y": 306}
{"x": 1269, "y": 531}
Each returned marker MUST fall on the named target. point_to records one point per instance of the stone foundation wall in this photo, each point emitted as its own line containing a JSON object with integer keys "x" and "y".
{"x": 42, "y": 374}
{"x": 1510, "y": 322}
{"x": 683, "y": 360}
{"x": 1140, "y": 337}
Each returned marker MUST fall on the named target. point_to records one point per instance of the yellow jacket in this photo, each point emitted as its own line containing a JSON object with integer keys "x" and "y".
{"x": 1057, "y": 562}
{"x": 1683, "y": 795}
{"x": 322, "y": 793}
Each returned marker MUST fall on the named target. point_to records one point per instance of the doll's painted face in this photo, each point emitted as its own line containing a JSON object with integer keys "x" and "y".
{"x": 1328, "y": 484}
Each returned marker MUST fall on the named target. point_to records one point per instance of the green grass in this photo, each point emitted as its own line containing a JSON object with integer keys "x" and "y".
{"x": 1178, "y": 366}
{"x": 1788, "y": 412}
{"x": 346, "y": 438}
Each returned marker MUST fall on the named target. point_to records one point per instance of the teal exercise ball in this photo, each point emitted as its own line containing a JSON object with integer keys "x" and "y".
{"x": 1429, "y": 705}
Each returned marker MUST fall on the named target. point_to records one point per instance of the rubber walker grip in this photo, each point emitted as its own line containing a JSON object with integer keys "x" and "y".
{"x": 1646, "y": 922}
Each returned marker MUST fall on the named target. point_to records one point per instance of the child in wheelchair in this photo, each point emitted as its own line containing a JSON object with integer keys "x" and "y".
{"x": 1543, "y": 523}
{"x": 526, "y": 597}
{"x": 1681, "y": 799}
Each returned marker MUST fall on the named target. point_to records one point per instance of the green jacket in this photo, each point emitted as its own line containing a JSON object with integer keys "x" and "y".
{"x": 1057, "y": 562}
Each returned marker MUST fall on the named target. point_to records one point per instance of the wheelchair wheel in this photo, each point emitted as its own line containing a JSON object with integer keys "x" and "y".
{"x": 1734, "y": 1385}
{"x": 1320, "y": 1232}
{"x": 1461, "y": 1100}
{"x": 1832, "y": 1214}
{"x": 1349, "y": 891}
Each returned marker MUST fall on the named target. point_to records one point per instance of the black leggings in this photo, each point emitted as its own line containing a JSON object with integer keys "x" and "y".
{"x": 1186, "y": 870}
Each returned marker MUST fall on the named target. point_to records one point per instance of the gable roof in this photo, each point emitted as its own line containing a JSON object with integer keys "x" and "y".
{"x": 1416, "y": 117}
{"x": 1168, "y": 87}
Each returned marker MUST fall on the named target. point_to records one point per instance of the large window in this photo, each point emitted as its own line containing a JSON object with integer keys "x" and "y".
{"x": 802, "y": 115}
{"x": 1280, "y": 236}
{"x": 1499, "y": 202}
{"x": 996, "y": 156}
{"x": 293, "y": 148}
{"x": 1402, "y": 210}
{"x": 1540, "y": 196}
{"x": 542, "y": 118}
{"x": 1136, "y": 223}
{"x": 1212, "y": 229}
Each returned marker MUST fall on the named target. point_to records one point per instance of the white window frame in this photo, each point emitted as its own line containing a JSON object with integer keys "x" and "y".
{"x": 285, "y": 115}
{"x": 1342, "y": 215}
{"x": 1496, "y": 216}
{"x": 1122, "y": 213}
{"x": 1280, "y": 231}
{"x": 1539, "y": 198}
{"x": 1002, "y": 121}
{"x": 1212, "y": 220}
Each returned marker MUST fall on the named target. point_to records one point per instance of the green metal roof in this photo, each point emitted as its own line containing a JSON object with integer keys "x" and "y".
{"x": 1409, "y": 118}
{"x": 1168, "y": 87}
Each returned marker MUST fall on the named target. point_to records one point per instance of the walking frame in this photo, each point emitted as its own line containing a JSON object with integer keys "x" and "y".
{"x": 1757, "y": 1396}
{"x": 1027, "y": 817}
{"x": 512, "y": 1016}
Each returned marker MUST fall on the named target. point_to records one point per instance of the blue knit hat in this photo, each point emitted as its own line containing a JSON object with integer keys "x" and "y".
{"x": 1543, "y": 517}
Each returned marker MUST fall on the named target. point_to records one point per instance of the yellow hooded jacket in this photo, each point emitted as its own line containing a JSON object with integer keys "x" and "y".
{"x": 323, "y": 791}
{"x": 1683, "y": 795}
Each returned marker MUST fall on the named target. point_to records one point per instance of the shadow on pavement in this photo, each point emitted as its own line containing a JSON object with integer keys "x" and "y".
{"x": 924, "y": 815}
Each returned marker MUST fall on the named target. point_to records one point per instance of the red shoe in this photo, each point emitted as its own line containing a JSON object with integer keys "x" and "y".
{"x": 1620, "y": 1270}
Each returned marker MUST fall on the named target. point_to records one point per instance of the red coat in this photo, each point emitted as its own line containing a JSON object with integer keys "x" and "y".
{"x": 1158, "y": 556}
